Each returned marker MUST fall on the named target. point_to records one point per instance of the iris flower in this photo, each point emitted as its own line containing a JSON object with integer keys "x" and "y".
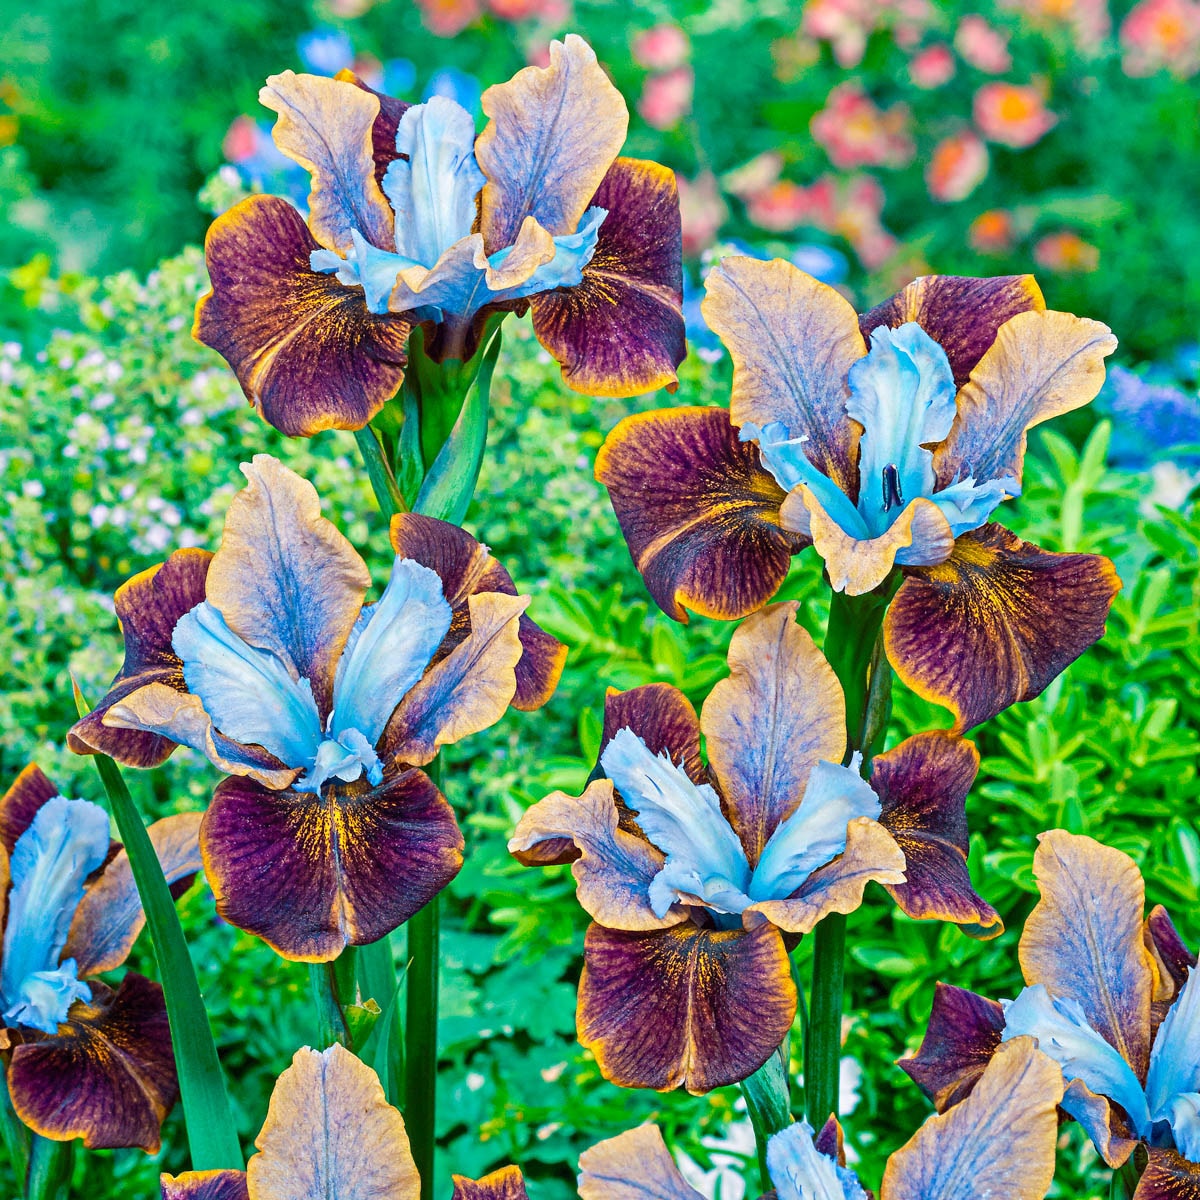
{"x": 83, "y": 1060}
{"x": 1112, "y": 998}
{"x": 331, "y": 1132}
{"x": 320, "y": 708}
{"x": 696, "y": 876}
{"x": 1000, "y": 1142}
{"x": 413, "y": 220}
{"x": 889, "y": 458}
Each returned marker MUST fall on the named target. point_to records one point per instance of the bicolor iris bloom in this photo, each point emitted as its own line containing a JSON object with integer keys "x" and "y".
{"x": 320, "y": 708}
{"x": 414, "y": 220}
{"x": 83, "y": 1060}
{"x": 1000, "y": 1142}
{"x": 330, "y": 1132}
{"x": 1110, "y": 997}
{"x": 889, "y": 458}
{"x": 696, "y": 875}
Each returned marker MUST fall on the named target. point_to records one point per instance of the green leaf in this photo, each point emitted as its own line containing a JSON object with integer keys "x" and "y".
{"x": 212, "y": 1133}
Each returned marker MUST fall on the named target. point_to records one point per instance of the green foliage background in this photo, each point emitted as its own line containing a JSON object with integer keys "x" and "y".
{"x": 122, "y": 440}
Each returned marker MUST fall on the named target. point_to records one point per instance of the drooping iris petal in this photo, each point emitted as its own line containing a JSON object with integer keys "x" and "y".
{"x": 285, "y": 579}
{"x": 778, "y": 714}
{"x": 307, "y": 351}
{"x": 792, "y": 341}
{"x": 613, "y": 868}
{"x": 108, "y": 1077}
{"x": 110, "y": 917}
{"x": 505, "y": 1184}
{"x": 620, "y": 331}
{"x": 433, "y": 185}
{"x": 995, "y": 623}
{"x": 902, "y": 394}
{"x": 1168, "y": 1176}
{"x": 148, "y": 607}
{"x": 961, "y": 314}
{"x": 663, "y": 717}
{"x": 1062, "y": 1031}
{"x": 684, "y": 820}
{"x": 66, "y": 842}
{"x": 311, "y": 875}
{"x": 465, "y": 567}
{"x": 958, "y": 1154}
{"x": 391, "y": 652}
{"x": 635, "y": 1165}
{"x": 684, "y": 1007}
{"x": 1041, "y": 365}
{"x": 205, "y": 1185}
{"x": 331, "y": 1132}
{"x": 922, "y": 785}
{"x": 247, "y": 692}
{"x": 326, "y": 126}
{"x": 21, "y": 803}
{"x": 698, "y": 510}
{"x": 1175, "y": 1069}
{"x": 870, "y": 854}
{"x": 1172, "y": 957}
{"x": 464, "y": 692}
{"x": 963, "y": 1034}
{"x": 800, "y": 1171}
{"x": 1084, "y": 941}
{"x": 554, "y": 132}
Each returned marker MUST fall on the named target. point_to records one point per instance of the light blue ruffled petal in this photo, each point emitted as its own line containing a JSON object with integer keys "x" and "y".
{"x": 1063, "y": 1032}
{"x": 800, "y": 1171}
{"x": 785, "y": 458}
{"x": 247, "y": 692}
{"x": 345, "y": 758}
{"x": 816, "y": 832}
{"x": 433, "y": 191}
{"x": 1184, "y": 1118}
{"x": 66, "y": 841}
{"x": 572, "y": 252}
{"x": 902, "y": 394}
{"x": 684, "y": 820}
{"x": 390, "y": 653}
{"x": 1175, "y": 1055}
{"x": 967, "y": 504}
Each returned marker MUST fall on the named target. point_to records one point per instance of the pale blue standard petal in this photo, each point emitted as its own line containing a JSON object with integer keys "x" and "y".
{"x": 247, "y": 692}
{"x": 433, "y": 190}
{"x": 1175, "y": 1067}
{"x": 785, "y": 458}
{"x": 65, "y": 843}
{"x": 967, "y": 504}
{"x": 344, "y": 758}
{"x": 816, "y": 832}
{"x": 1062, "y": 1032}
{"x": 684, "y": 820}
{"x": 902, "y": 394}
{"x": 572, "y": 252}
{"x": 800, "y": 1171}
{"x": 1183, "y": 1116}
{"x": 390, "y": 652}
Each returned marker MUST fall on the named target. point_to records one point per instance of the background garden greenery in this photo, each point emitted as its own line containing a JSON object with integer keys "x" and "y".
{"x": 120, "y": 439}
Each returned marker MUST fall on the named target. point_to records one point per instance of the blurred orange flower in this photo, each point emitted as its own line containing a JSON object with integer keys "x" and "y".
{"x": 1066, "y": 252}
{"x": 992, "y": 232}
{"x": 1012, "y": 114}
{"x": 855, "y": 132}
{"x": 956, "y": 167}
{"x": 1162, "y": 35}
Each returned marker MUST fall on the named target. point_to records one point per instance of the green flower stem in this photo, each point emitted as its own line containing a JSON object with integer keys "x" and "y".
{"x": 333, "y": 985}
{"x": 211, "y": 1130}
{"x": 49, "y": 1171}
{"x": 383, "y": 481}
{"x": 421, "y": 1032}
{"x": 1125, "y": 1180}
{"x": 853, "y": 648}
{"x": 384, "y": 1048}
{"x": 769, "y": 1104}
{"x": 14, "y": 1132}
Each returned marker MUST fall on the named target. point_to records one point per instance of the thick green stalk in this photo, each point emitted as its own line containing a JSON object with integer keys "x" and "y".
{"x": 421, "y": 1031}
{"x": 769, "y": 1104}
{"x": 384, "y": 1049}
{"x": 14, "y": 1131}
{"x": 49, "y": 1172}
{"x": 1125, "y": 1180}
{"x": 212, "y": 1133}
{"x": 852, "y": 647}
{"x": 383, "y": 482}
{"x": 331, "y": 1021}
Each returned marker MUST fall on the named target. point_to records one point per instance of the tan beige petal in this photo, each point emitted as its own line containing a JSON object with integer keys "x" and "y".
{"x": 779, "y": 713}
{"x": 330, "y": 1132}
{"x": 635, "y": 1165}
{"x": 533, "y": 248}
{"x": 792, "y": 340}
{"x": 871, "y": 853}
{"x": 1041, "y": 365}
{"x": 325, "y": 125}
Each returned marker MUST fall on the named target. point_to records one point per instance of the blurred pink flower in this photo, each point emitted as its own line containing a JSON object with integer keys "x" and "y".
{"x": 666, "y": 99}
{"x": 860, "y": 209}
{"x": 662, "y": 48}
{"x": 754, "y": 176}
{"x": 1012, "y": 114}
{"x": 855, "y": 132}
{"x": 933, "y": 67}
{"x": 781, "y": 207}
{"x": 1066, "y": 252}
{"x": 446, "y": 18}
{"x": 1162, "y": 35}
{"x": 525, "y": 10}
{"x": 956, "y": 167}
{"x": 844, "y": 24}
{"x": 701, "y": 210}
{"x": 1088, "y": 20}
{"x": 992, "y": 232}
{"x": 981, "y": 45}
{"x": 241, "y": 140}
